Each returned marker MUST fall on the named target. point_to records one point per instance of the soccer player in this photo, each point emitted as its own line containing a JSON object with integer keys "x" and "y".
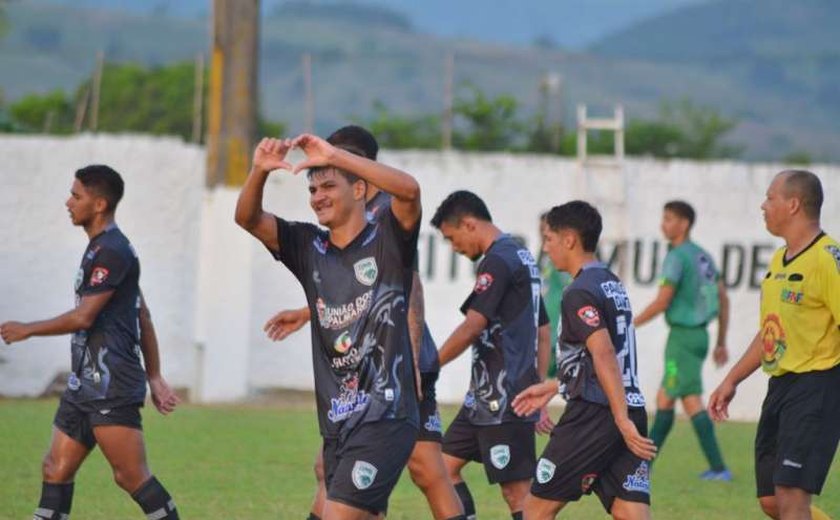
{"x": 599, "y": 443}
{"x": 502, "y": 315}
{"x": 110, "y": 327}
{"x": 691, "y": 294}
{"x": 554, "y": 282}
{"x": 426, "y": 463}
{"x": 798, "y": 345}
{"x": 356, "y": 278}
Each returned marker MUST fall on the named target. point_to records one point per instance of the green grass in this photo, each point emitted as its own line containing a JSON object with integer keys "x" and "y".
{"x": 254, "y": 462}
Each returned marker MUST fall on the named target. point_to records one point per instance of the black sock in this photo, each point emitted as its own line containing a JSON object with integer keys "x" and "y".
{"x": 466, "y": 499}
{"x": 517, "y": 515}
{"x": 55, "y": 502}
{"x": 154, "y": 499}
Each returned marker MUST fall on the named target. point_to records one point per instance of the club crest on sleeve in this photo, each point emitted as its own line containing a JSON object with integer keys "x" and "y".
{"x": 363, "y": 474}
{"x": 835, "y": 252}
{"x": 98, "y": 276}
{"x": 483, "y": 282}
{"x": 545, "y": 470}
{"x": 500, "y": 456}
{"x": 589, "y": 315}
{"x": 366, "y": 270}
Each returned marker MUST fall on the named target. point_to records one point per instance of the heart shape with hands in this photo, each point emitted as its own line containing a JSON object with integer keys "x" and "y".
{"x": 270, "y": 153}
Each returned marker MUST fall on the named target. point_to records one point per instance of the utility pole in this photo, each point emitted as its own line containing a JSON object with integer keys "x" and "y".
{"x": 232, "y": 110}
{"x": 198, "y": 98}
{"x": 97, "y": 86}
{"x": 446, "y": 121}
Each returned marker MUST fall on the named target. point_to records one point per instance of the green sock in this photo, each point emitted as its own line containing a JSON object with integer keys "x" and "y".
{"x": 705, "y": 431}
{"x": 662, "y": 424}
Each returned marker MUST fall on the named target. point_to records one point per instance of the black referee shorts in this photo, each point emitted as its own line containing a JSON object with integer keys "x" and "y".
{"x": 798, "y": 431}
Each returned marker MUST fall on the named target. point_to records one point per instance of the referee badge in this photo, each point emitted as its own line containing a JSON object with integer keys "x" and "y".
{"x": 545, "y": 470}
{"x": 363, "y": 474}
{"x": 500, "y": 456}
{"x": 366, "y": 270}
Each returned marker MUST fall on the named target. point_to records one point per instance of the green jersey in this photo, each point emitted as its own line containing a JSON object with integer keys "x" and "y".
{"x": 692, "y": 273}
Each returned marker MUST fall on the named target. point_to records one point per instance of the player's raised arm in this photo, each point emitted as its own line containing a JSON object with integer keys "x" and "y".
{"x": 403, "y": 188}
{"x": 80, "y": 318}
{"x": 606, "y": 369}
{"x": 269, "y": 155}
{"x": 163, "y": 397}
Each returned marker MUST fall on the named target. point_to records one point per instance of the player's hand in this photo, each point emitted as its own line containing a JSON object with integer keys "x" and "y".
{"x": 318, "y": 151}
{"x": 720, "y": 355}
{"x": 270, "y": 154}
{"x": 534, "y": 397}
{"x": 545, "y": 424}
{"x": 641, "y": 447}
{"x": 163, "y": 397}
{"x": 720, "y": 399}
{"x": 279, "y": 326}
{"x": 13, "y": 331}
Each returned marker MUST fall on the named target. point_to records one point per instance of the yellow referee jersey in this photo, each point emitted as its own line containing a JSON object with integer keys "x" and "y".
{"x": 800, "y": 309}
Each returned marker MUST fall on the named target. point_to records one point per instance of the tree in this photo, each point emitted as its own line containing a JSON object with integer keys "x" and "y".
{"x": 487, "y": 124}
{"x": 401, "y": 132}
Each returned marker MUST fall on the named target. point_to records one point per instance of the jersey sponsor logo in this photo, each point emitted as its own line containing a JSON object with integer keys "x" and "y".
{"x": 791, "y": 464}
{"x": 469, "y": 400}
{"x": 343, "y": 343}
{"x": 321, "y": 245}
{"x": 635, "y": 399}
{"x": 483, "y": 282}
{"x": 389, "y": 394}
{"x": 433, "y": 423}
{"x": 363, "y": 474}
{"x": 500, "y": 456}
{"x": 338, "y": 317}
{"x": 349, "y": 401}
{"x": 545, "y": 470}
{"x": 779, "y": 276}
{"x": 98, "y": 276}
{"x": 587, "y": 482}
{"x": 73, "y": 382}
{"x": 366, "y": 270}
{"x": 617, "y": 293}
{"x": 589, "y": 315}
{"x": 773, "y": 340}
{"x": 80, "y": 277}
{"x": 793, "y": 297}
{"x": 834, "y": 251}
{"x": 639, "y": 481}
{"x": 528, "y": 261}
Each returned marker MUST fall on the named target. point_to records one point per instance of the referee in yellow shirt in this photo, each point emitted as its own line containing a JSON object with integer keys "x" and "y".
{"x": 798, "y": 345}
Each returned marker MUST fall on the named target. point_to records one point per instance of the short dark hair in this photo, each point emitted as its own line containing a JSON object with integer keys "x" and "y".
{"x": 579, "y": 216}
{"x": 805, "y": 186}
{"x": 355, "y": 139}
{"x": 351, "y": 177}
{"x": 104, "y": 182}
{"x": 458, "y": 205}
{"x": 681, "y": 209}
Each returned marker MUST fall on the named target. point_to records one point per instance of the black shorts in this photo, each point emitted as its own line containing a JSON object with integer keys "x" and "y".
{"x": 78, "y": 420}
{"x": 798, "y": 431}
{"x": 430, "y": 425}
{"x": 507, "y": 450}
{"x": 362, "y": 470}
{"x": 587, "y": 453}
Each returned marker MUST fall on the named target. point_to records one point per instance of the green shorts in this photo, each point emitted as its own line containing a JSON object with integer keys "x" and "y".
{"x": 685, "y": 353}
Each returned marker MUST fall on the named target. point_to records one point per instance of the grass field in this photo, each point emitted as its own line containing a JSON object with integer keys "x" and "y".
{"x": 254, "y": 462}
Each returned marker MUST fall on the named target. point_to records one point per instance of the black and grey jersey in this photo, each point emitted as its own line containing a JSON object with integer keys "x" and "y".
{"x": 596, "y": 300}
{"x": 357, "y": 296}
{"x": 507, "y": 293}
{"x": 428, "y": 359}
{"x": 106, "y": 360}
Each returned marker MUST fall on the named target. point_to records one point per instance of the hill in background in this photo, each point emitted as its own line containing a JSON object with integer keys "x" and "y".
{"x": 717, "y": 54}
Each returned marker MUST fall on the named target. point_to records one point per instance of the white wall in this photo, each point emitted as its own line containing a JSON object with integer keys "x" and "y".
{"x": 217, "y": 290}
